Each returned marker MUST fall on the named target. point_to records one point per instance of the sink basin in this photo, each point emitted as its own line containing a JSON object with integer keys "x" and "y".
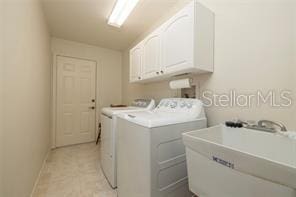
{"x": 232, "y": 162}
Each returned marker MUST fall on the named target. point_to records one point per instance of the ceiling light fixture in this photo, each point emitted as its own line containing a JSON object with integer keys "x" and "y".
{"x": 121, "y": 11}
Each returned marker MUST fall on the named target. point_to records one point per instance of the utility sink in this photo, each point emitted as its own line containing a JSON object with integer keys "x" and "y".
{"x": 239, "y": 162}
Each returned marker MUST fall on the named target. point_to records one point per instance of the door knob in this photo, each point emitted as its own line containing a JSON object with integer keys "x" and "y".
{"x": 93, "y": 107}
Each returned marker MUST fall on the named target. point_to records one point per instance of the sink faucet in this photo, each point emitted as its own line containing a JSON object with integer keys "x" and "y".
{"x": 262, "y": 123}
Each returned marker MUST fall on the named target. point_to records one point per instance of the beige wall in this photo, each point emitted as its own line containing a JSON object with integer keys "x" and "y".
{"x": 294, "y": 48}
{"x": 1, "y": 98}
{"x": 253, "y": 51}
{"x": 26, "y": 95}
{"x": 109, "y": 68}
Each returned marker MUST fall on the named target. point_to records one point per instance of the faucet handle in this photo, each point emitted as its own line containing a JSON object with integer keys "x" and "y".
{"x": 263, "y": 123}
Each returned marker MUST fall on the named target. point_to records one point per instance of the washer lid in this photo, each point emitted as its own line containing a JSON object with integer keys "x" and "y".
{"x": 152, "y": 119}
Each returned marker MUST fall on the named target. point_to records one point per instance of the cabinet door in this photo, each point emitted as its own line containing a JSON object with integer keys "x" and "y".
{"x": 178, "y": 41}
{"x": 151, "y": 55}
{"x": 135, "y": 63}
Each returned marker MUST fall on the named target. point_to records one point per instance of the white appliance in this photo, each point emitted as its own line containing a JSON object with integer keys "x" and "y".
{"x": 151, "y": 154}
{"x": 239, "y": 162}
{"x": 109, "y": 133}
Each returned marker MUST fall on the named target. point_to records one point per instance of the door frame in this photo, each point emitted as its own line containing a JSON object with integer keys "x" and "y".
{"x": 54, "y": 74}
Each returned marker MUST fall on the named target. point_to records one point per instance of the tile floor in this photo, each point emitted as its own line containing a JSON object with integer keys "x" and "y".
{"x": 73, "y": 171}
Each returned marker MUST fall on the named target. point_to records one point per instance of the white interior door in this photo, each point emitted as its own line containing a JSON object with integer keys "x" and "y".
{"x": 76, "y": 92}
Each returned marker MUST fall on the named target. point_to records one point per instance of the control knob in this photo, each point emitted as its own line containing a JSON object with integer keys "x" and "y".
{"x": 189, "y": 105}
{"x": 183, "y": 104}
{"x": 173, "y": 104}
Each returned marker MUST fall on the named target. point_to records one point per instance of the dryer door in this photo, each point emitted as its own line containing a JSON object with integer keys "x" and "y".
{"x": 107, "y": 148}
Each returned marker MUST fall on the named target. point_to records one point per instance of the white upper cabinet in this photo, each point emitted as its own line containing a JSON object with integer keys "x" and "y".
{"x": 151, "y": 55}
{"x": 136, "y": 63}
{"x": 177, "y": 41}
{"x": 183, "y": 44}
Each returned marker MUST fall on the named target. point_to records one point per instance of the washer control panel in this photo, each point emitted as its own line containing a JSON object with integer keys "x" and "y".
{"x": 179, "y": 105}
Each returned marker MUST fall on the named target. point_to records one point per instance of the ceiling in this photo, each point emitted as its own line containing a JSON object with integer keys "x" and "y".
{"x": 86, "y": 21}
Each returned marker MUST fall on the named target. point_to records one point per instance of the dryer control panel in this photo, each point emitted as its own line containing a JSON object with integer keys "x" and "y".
{"x": 144, "y": 103}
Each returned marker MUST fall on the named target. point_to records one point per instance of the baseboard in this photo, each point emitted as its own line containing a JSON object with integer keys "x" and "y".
{"x": 39, "y": 174}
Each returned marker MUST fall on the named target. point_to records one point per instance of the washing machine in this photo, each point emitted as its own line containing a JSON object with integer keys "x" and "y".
{"x": 108, "y": 154}
{"x": 151, "y": 154}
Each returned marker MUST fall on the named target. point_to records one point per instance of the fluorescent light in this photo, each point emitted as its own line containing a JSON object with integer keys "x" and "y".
{"x": 121, "y": 11}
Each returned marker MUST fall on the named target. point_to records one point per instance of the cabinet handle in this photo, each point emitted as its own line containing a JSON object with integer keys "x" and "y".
{"x": 157, "y": 73}
{"x": 139, "y": 77}
{"x": 161, "y": 72}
